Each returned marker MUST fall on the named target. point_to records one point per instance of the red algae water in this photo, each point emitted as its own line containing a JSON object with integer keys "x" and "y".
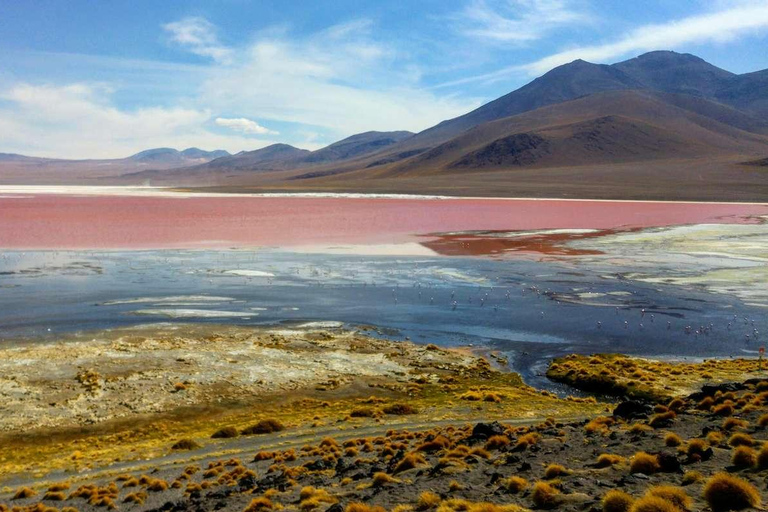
{"x": 53, "y": 221}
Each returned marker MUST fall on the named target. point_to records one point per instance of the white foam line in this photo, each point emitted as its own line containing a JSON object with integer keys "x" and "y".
{"x": 90, "y": 190}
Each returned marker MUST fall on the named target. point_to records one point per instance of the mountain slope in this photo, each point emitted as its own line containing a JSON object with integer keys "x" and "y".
{"x": 168, "y": 155}
{"x": 676, "y": 73}
{"x": 679, "y": 133}
{"x": 356, "y": 145}
{"x": 20, "y": 169}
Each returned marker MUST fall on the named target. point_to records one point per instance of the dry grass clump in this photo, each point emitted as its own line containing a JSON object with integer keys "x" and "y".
{"x": 725, "y": 409}
{"x": 527, "y": 440}
{"x": 399, "y": 409}
{"x": 676, "y": 405}
{"x": 428, "y": 500}
{"x": 675, "y": 495}
{"x": 663, "y": 419}
{"x": 136, "y": 497}
{"x": 601, "y": 425}
{"x": 362, "y": 507}
{"x": 639, "y": 428}
{"x": 55, "y": 496}
{"x": 714, "y": 438}
{"x": 492, "y": 397}
{"x": 672, "y": 440}
{"x": 691, "y": 477}
{"x": 472, "y": 396}
{"x": 605, "y": 460}
{"x": 727, "y": 492}
{"x": 744, "y": 457}
{"x": 185, "y": 444}
{"x": 61, "y": 486}
{"x": 556, "y": 470}
{"x": 496, "y": 442}
{"x": 617, "y": 501}
{"x": 267, "y": 426}
{"x": 696, "y": 447}
{"x": 545, "y": 495}
{"x": 436, "y": 444}
{"x": 24, "y": 493}
{"x": 645, "y": 463}
{"x": 157, "y": 485}
{"x": 409, "y": 461}
{"x": 741, "y": 439}
{"x": 515, "y": 484}
{"x": 734, "y": 424}
{"x": 762, "y": 421}
{"x": 653, "y": 504}
{"x": 762, "y": 457}
{"x": 260, "y": 503}
{"x": 363, "y": 412}
{"x": 311, "y": 498}
{"x": 380, "y": 479}
{"x": 455, "y": 486}
{"x": 225, "y": 433}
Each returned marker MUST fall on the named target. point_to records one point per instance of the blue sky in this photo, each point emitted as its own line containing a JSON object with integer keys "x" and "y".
{"x": 107, "y": 78}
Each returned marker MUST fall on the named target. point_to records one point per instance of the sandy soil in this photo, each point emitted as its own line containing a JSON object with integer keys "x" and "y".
{"x": 128, "y": 372}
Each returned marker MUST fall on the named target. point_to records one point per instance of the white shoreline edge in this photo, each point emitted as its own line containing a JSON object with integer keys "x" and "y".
{"x": 24, "y": 192}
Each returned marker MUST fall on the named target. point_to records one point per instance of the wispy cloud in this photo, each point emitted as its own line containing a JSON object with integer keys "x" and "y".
{"x": 323, "y": 86}
{"x": 515, "y": 21}
{"x": 198, "y": 35}
{"x": 737, "y": 20}
{"x": 80, "y": 121}
{"x": 718, "y": 27}
{"x": 243, "y": 125}
{"x": 338, "y": 81}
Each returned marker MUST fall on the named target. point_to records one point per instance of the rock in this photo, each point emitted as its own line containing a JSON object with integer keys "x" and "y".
{"x": 525, "y": 466}
{"x": 632, "y": 409}
{"x": 483, "y": 431}
{"x": 669, "y": 462}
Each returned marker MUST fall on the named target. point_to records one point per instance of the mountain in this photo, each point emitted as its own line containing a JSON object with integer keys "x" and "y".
{"x": 267, "y": 157}
{"x": 20, "y": 169}
{"x": 748, "y": 92}
{"x": 174, "y": 155}
{"x": 663, "y": 125}
{"x": 272, "y": 158}
{"x": 676, "y": 73}
{"x": 356, "y": 145}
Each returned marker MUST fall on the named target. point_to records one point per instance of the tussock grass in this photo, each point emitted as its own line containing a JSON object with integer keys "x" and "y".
{"x": 617, "y": 501}
{"x": 727, "y": 492}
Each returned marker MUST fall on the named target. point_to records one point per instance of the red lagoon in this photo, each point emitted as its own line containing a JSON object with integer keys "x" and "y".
{"x": 130, "y": 222}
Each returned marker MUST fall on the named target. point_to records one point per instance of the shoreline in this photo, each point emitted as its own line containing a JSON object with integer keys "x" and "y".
{"x": 174, "y": 192}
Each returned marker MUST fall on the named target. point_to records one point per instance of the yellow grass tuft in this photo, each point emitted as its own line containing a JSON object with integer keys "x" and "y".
{"x": 727, "y": 492}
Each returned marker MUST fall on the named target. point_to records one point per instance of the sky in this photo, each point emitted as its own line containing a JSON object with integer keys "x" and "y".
{"x": 106, "y": 79}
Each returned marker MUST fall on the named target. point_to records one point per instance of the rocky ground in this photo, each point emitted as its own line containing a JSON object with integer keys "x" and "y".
{"x": 125, "y": 396}
{"x": 440, "y": 451}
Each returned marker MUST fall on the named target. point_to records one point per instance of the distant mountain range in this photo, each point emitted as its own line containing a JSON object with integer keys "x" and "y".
{"x": 20, "y": 169}
{"x": 662, "y": 125}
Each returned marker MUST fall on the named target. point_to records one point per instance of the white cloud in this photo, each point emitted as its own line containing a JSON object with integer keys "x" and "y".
{"x": 330, "y": 84}
{"x": 198, "y": 35}
{"x": 739, "y": 19}
{"x": 516, "y": 21}
{"x": 244, "y": 125}
{"x": 340, "y": 81}
{"x": 80, "y": 121}
{"x": 717, "y": 27}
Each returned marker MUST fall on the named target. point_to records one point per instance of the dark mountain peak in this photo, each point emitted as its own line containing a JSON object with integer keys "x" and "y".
{"x": 172, "y": 155}
{"x": 198, "y": 153}
{"x": 154, "y": 154}
{"x": 356, "y": 145}
{"x": 669, "y": 71}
